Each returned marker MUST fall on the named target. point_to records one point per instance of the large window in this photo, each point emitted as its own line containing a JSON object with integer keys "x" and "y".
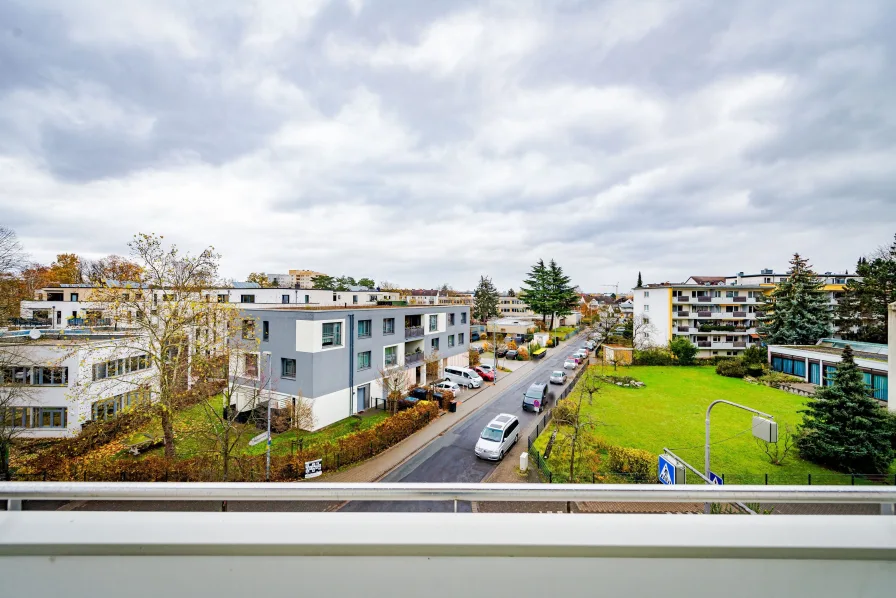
{"x": 34, "y": 376}
{"x": 288, "y": 368}
{"x": 251, "y": 365}
{"x": 451, "y": 319}
{"x": 284, "y": 298}
{"x": 118, "y": 367}
{"x": 34, "y": 417}
{"x": 435, "y": 344}
{"x": 364, "y": 328}
{"x": 388, "y": 325}
{"x": 265, "y": 330}
{"x": 463, "y": 317}
{"x": 332, "y": 335}
{"x": 109, "y": 408}
{"x": 390, "y": 355}
{"x": 460, "y": 338}
{"x": 364, "y": 360}
{"x": 247, "y": 298}
{"x": 877, "y": 385}
{"x": 433, "y": 323}
{"x": 248, "y": 329}
{"x": 794, "y": 367}
{"x": 450, "y": 340}
{"x": 222, "y": 298}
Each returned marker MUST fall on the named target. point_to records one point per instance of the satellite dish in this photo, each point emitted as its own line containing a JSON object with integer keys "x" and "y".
{"x": 34, "y": 335}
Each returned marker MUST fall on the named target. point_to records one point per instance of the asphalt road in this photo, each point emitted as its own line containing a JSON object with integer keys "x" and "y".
{"x": 450, "y": 458}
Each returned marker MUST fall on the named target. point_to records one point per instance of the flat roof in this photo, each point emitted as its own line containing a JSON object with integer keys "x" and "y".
{"x": 304, "y": 307}
{"x": 833, "y": 351}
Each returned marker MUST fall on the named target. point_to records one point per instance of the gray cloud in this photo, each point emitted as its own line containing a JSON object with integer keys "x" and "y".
{"x": 430, "y": 142}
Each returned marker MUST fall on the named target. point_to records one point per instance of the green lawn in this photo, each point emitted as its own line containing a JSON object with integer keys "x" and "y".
{"x": 190, "y": 440}
{"x": 670, "y": 412}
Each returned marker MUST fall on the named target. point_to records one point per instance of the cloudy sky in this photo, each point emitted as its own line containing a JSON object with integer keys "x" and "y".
{"x": 431, "y": 142}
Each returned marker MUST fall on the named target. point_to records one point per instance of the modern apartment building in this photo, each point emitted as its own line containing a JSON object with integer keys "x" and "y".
{"x": 77, "y": 305}
{"x": 63, "y": 381}
{"x": 302, "y": 278}
{"x": 333, "y": 356}
{"x": 283, "y": 281}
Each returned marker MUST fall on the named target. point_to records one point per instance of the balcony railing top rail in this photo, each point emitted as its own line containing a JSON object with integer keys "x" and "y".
{"x": 442, "y": 492}
{"x": 413, "y": 331}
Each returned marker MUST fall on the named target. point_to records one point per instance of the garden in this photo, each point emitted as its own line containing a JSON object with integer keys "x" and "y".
{"x": 667, "y": 410}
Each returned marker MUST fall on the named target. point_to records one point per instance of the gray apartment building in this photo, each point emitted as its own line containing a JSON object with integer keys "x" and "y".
{"x": 332, "y": 356}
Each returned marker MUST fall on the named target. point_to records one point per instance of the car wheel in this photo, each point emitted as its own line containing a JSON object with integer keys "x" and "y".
{"x": 501, "y": 458}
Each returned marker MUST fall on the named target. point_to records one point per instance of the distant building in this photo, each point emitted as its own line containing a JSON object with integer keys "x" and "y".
{"x": 302, "y": 278}
{"x": 283, "y": 281}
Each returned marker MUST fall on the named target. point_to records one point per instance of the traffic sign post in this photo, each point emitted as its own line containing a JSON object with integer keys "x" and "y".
{"x": 313, "y": 468}
{"x": 258, "y": 439}
{"x": 715, "y": 479}
{"x": 670, "y": 471}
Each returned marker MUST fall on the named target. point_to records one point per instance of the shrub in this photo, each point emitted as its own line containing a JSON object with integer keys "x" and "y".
{"x": 755, "y": 370}
{"x": 523, "y": 355}
{"x": 474, "y": 357}
{"x": 639, "y": 463}
{"x": 488, "y": 347}
{"x": 511, "y": 345}
{"x": 754, "y": 355}
{"x": 733, "y": 368}
{"x": 683, "y": 350}
{"x": 653, "y": 356}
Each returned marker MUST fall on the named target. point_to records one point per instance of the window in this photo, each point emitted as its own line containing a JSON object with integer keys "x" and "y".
{"x": 390, "y": 356}
{"x": 450, "y": 340}
{"x": 451, "y": 319}
{"x": 307, "y": 299}
{"x": 111, "y": 407}
{"x": 265, "y": 330}
{"x": 364, "y": 360}
{"x": 251, "y": 364}
{"x": 460, "y": 338}
{"x": 463, "y": 317}
{"x": 222, "y": 298}
{"x": 284, "y": 298}
{"x": 364, "y": 328}
{"x": 287, "y": 368}
{"x": 433, "y": 323}
{"x": 768, "y": 280}
{"x": 732, "y": 293}
{"x": 355, "y": 299}
{"x": 247, "y": 298}
{"x": 435, "y": 344}
{"x": 34, "y": 417}
{"x": 646, "y": 308}
{"x": 646, "y": 294}
{"x": 388, "y": 325}
{"x": 248, "y": 329}
{"x": 74, "y": 296}
{"x": 332, "y": 335}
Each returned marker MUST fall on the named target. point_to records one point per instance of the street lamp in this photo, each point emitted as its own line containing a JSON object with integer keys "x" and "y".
{"x": 267, "y": 464}
{"x": 763, "y": 428}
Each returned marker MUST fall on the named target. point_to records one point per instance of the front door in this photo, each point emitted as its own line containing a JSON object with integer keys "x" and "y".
{"x": 362, "y": 397}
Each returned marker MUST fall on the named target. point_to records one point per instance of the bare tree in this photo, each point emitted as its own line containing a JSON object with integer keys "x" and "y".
{"x": 776, "y": 452}
{"x": 606, "y": 319}
{"x": 15, "y": 393}
{"x": 12, "y": 256}
{"x": 394, "y": 382}
{"x": 642, "y": 332}
{"x": 572, "y": 423}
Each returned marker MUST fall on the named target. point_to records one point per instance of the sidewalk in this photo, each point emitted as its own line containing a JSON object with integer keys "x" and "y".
{"x": 376, "y": 467}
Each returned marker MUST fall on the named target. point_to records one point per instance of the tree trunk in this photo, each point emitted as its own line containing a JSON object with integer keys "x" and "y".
{"x": 225, "y": 450}
{"x": 168, "y": 432}
{"x": 552, "y": 323}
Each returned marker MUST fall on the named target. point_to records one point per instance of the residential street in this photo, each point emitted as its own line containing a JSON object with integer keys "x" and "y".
{"x": 450, "y": 458}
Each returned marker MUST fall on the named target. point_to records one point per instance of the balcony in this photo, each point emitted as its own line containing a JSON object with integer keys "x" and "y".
{"x": 683, "y": 314}
{"x": 739, "y": 299}
{"x": 413, "y": 358}
{"x": 704, "y": 344}
{"x": 740, "y": 345}
{"x": 739, "y": 314}
{"x": 681, "y": 299}
{"x": 89, "y": 322}
{"x": 413, "y": 332}
{"x": 704, "y": 314}
{"x": 704, "y": 299}
{"x": 684, "y": 329}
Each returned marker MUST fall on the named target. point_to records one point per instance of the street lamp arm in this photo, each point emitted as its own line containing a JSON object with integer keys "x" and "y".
{"x": 739, "y": 406}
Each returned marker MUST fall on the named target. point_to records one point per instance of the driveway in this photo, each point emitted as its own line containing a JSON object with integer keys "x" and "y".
{"x": 450, "y": 458}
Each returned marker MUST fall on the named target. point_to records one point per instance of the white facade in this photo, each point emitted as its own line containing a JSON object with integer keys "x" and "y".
{"x": 62, "y": 407}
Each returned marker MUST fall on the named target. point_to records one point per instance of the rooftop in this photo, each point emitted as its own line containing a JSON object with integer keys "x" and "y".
{"x": 835, "y": 346}
{"x": 347, "y": 307}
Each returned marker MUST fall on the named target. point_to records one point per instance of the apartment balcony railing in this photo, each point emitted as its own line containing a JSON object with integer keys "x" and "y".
{"x": 92, "y": 322}
{"x": 413, "y": 358}
{"x": 681, "y": 299}
{"x": 740, "y": 344}
{"x": 683, "y": 314}
{"x": 704, "y": 314}
{"x": 704, "y": 299}
{"x": 739, "y": 314}
{"x": 413, "y": 331}
{"x": 739, "y": 299}
{"x": 705, "y": 344}
{"x": 684, "y": 328}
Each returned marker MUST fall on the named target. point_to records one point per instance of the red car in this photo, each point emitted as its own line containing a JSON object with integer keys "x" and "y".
{"x": 485, "y": 375}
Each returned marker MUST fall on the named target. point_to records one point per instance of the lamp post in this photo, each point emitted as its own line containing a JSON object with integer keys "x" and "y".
{"x": 267, "y": 459}
{"x": 770, "y": 436}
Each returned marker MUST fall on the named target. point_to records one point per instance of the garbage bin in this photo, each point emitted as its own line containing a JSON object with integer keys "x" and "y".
{"x": 524, "y": 461}
{"x": 452, "y": 406}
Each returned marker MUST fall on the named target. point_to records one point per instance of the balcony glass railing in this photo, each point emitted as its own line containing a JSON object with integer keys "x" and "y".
{"x": 413, "y": 331}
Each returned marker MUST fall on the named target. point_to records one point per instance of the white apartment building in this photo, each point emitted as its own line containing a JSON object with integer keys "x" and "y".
{"x": 71, "y": 305}
{"x": 283, "y": 281}
{"x": 65, "y": 381}
{"x": 302, "y": 278}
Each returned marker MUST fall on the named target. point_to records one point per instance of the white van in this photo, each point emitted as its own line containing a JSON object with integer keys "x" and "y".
{"x": 497, "y": 437}
{"x": 463, "y": 377}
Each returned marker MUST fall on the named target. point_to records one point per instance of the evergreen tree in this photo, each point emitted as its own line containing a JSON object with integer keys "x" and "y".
{"x": 536, "y": 292}
{"x": 562, "y": 296}
{"x": 862, "y": 309}
{"x": 640, "y": 284}
{"x": 323, "y": 282}
{"x": 843, "y": 427}
{"x": 485, "y": 300}
{"x": 796, "y": 312}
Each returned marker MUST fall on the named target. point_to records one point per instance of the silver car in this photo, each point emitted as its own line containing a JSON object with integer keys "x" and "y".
{"x": 558, "y": 377}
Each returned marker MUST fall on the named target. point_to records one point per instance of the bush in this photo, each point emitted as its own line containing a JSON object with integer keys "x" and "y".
{"x": 523, "y": 355}
{"x": 638, "y": 462}
{"x": 511, "y": 345}
{"x": 653, "y": 356}
{"x": 683, "y": 350}
{"x": 775, "y": 379}
{"x": 474, "y": 357}
{"x": 755, "y": 370}
{"x": 754, "y": 355}
{"x": 488, "y": 347}
{"x": 733, "y": 368}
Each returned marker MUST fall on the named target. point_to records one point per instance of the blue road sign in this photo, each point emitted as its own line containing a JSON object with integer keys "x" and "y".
{"x": 666, "y": 469}
{"x": 715, "y": 479}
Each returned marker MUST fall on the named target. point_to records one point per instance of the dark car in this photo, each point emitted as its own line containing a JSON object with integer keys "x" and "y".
{"x": 474, "y": 336}
{"x": 502, "y": 351}
{"x": 536, "y": 398}
{"x": 511, "y": 354}
{"x": 479, "y": 349}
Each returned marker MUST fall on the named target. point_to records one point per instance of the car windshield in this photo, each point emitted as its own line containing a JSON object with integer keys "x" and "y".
{"x": 557, "y": 374}
{"x": 493, "y": 434}
{"x": 533, "y": 393}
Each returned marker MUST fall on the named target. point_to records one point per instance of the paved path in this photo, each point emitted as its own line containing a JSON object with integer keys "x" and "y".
{"x": 450, "y": 457}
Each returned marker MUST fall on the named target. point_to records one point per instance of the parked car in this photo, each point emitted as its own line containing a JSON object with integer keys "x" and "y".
{"x": 536, "y": 398}
{"x": 502, "y": 351}
{"x": 558, "y": 377}
{"x": 575, "y": 358}
{"x": 447, "y": 385}
{"x": 479, "y": 349}
{"x": 485, "y": 374}
{"x": 486, "y": 368}
{"x": 570, "y": 364}
{"x": 582, "y": 354}
{"x": 463, "y": 376}
{"x": 474, "y": 336}
{"x": 497, "y": 437}
{"x": 511, "y": 354}
{"x": 591, "y": 345}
